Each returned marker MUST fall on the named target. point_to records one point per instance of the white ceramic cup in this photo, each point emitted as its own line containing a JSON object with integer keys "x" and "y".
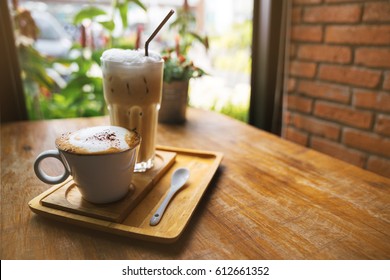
{"x": 100, "y": 177}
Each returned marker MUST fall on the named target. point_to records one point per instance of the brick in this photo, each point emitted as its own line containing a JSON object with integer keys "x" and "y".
{"x": 303, "y": 69}
{"x": 371, "y": 100}
{"x": 287, "y": 118}
{"x": 296, "y": 136}
{"x": 338, "y": 151}
{"x": 291, "y": 84}
{"x": 316, "y": 126}
{"x": 383, "y": 124}
{"x": 377, "y": 11}
{"x": 295, "y": 2}
{"x": 350, "y": 75}
{"x": 299, "y": 103}
{"x": 333, "y": 14}
{"x": 343, "y": 1}
{"x": 343, "y": 114}
{"x": 358, "y": 34}
{"x": 292, "y": 50}
{"x": 306, "y": 33}
{"x": 373, "y": 57}
{"x": 296, "y": 15}
{"x": 324, "y": 53}
{"x": 379, "y": 165}
{"x": 386, "y": 80}
{"x": 367, "y": 141}
{"x": 324, "y": 91}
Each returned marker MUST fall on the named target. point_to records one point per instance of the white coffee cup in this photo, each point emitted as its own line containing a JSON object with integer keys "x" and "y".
{"x": 100, "y": 159}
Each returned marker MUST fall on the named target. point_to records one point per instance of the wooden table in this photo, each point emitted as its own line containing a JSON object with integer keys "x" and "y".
{"x": 270, "y": 199}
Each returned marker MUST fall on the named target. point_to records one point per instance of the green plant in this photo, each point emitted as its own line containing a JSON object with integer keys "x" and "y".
{"x": 239, "y": 112}
{"x": 183, "y": 24}
{"x": 178, "y": 66}
{"x": 37, "y": 84}
{"x": 82, "y": 96}
{"x": 106, "y": 18}
{"x": 236, "y": 44}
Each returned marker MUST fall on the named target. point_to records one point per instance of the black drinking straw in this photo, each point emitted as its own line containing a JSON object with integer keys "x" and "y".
{"x": 171, "y": 12}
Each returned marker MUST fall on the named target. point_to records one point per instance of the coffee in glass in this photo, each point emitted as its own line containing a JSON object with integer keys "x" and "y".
{"x": 132, "y": 90}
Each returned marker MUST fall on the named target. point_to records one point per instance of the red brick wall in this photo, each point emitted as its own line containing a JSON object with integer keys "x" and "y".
{"x": 338, "y": 96}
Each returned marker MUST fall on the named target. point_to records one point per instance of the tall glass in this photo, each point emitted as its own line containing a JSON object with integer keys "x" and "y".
{"x": 132, "y": 90}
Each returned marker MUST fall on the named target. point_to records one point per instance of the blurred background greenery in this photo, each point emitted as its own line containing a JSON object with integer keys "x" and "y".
{"x": 66, "y": 82}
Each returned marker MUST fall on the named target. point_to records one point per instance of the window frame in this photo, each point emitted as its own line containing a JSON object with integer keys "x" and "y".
{"x": 13, "y": 105}
{"x": 270, "y": 24}
{"x": 269, "y": 32}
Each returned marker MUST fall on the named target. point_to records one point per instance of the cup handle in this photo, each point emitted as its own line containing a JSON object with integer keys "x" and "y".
{"x": 42, "y": 174}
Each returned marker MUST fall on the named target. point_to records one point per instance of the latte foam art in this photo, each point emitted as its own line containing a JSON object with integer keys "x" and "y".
{"x": 97, "y": 140}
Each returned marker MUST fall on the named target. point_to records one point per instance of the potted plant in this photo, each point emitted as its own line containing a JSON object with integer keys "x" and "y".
{"x": 179, "y": 68}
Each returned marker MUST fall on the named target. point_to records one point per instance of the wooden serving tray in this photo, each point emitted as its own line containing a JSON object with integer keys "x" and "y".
{"x": 135, "y": 224}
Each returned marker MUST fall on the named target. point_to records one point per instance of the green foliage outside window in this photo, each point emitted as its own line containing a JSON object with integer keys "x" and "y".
{"x": 82, "y": 95}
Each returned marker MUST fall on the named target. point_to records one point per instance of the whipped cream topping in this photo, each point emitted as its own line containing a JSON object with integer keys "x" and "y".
{"x": 130, "y": 57}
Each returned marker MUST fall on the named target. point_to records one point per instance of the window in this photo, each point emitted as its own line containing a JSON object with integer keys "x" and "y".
{"x": 69, "y": 85}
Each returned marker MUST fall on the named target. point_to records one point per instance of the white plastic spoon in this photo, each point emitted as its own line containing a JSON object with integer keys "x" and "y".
{"x": 179, "y": 178}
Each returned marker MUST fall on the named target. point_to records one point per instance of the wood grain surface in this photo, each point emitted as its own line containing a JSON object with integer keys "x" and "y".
{"x": 269, "y": 199}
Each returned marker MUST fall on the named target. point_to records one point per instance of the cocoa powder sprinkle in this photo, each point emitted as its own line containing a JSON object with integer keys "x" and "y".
{"x": 106, "y": 136}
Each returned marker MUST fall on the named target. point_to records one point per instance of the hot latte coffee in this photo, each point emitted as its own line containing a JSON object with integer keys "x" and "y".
{"x": 100, "y": 160}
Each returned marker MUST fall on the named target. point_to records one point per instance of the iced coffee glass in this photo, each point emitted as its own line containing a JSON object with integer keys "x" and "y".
{"x": 132, "y": 90}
